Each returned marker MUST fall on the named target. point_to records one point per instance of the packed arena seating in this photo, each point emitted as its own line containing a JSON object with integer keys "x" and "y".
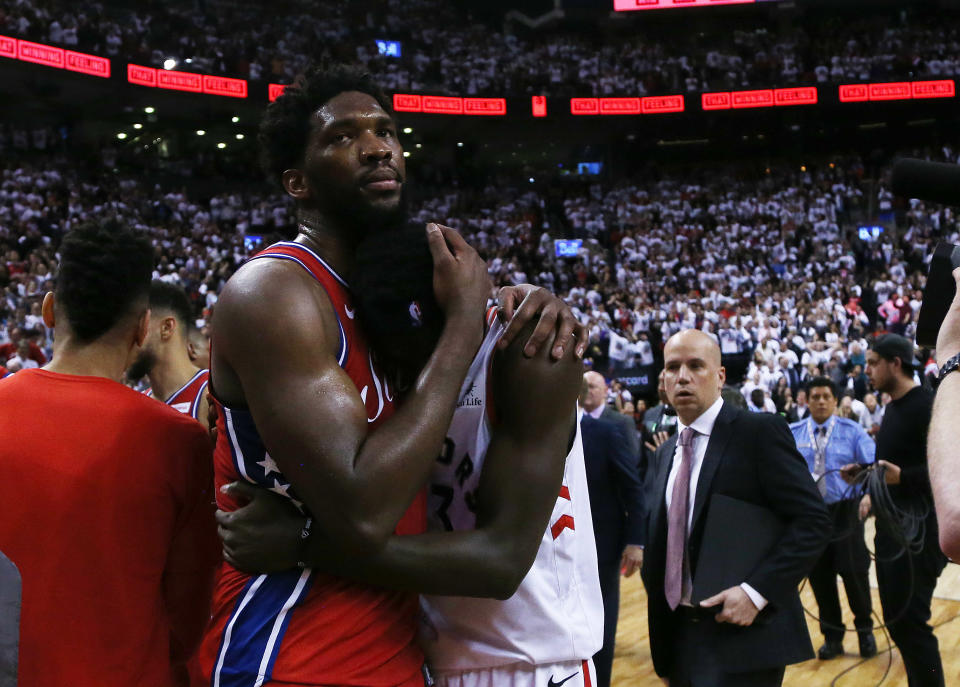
{"x": 446, "y": 50}
{"x": 761, "y": 258}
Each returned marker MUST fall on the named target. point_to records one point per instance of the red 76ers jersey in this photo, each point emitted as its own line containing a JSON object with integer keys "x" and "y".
{"x": 299, "y": 626}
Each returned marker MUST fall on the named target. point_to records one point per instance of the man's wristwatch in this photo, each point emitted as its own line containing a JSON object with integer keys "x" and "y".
{"x": 952, "y": 364}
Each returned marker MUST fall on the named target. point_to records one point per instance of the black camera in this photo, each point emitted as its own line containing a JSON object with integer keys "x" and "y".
{"x": 938, "y": 293}
{"x": 938, "y": 182}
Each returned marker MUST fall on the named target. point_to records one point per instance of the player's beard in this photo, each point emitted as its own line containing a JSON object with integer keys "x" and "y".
{"x": 353, "y": 211}
{"x": 142, "y": 365}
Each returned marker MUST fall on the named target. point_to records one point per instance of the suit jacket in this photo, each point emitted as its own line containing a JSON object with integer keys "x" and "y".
{"x": 629, "y": 428}
{"x": 751, "y": 457}
{"x": 616, "y": 494}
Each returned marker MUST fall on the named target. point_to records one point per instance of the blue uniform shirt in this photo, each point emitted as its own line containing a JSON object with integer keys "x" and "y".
{"x": 848, "y": 443}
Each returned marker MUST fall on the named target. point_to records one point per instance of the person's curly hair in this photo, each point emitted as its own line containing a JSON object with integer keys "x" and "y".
{"x": 105, "y": 268}
{"x": 285, "y": 127}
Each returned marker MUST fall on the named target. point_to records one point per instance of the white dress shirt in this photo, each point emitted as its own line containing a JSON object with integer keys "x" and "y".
{"x": 703, "y": 426}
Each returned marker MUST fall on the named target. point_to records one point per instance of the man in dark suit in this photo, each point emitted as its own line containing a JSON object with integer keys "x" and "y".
{"x": 616, "y": 499}
{"x": 758, "y": 627}
{"x": 595, "y": 405}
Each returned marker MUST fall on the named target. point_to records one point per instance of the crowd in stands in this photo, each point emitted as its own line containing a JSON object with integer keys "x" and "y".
{"x": 444, "y": 49}
{"x": 763, "y": 260}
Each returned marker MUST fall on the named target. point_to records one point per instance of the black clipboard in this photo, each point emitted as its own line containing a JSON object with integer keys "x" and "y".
{"x": 737, "y": 536}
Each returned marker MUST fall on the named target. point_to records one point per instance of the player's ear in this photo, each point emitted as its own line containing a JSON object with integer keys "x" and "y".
{"x": 46, "y": 310}
{"x": 295, "y": 184}
{"x": 168, "y": 326}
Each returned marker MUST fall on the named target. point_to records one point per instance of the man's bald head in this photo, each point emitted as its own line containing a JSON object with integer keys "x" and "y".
{"x": 596, "y": 391}
{"x": 692, "y": 373}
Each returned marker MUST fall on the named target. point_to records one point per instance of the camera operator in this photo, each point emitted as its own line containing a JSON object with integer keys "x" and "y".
{"x": 943, "y": 455}
{"x": 908, "y": 555}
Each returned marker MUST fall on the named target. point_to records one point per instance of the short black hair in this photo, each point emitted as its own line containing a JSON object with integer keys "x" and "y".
{"x": 285, "y": 127}
{"x": 104, "y": 270}
{"x": 392, "y": 283}
{"x": 822, "y": 381}
{"x": 172, "y": 298}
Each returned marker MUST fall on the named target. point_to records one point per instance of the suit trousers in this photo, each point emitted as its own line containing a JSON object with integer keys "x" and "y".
{"x": 696, "y": 663}
{"x": 848, "y": 557}
{"x": 610, "y": 590}
{"x": 906, "y": 586}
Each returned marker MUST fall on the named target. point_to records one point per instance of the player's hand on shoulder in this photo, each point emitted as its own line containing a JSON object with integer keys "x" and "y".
{"x": 461, "y": 283}
{"x": 520, "y": 304}
{"x": 263, "y": 535}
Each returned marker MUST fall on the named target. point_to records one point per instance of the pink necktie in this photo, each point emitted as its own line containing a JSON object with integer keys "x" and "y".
{"x": 677, "y": 523}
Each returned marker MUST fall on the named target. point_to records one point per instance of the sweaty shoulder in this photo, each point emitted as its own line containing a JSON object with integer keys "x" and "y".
{"x": 267, "y": 296}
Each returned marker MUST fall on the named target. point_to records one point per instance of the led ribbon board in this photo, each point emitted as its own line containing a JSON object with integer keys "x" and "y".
{"x": 771, "y": 97}
{"x": 629, "y": 5}
{"x": 186, "y": 81}
{"x": 899, "y": 90}
{"x": 443, "y": 104}
{"x": 52, "y": 56}
{"x": 627, "y": 106}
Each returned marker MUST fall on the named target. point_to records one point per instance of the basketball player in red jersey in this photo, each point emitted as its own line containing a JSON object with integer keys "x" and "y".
{"x": 106, "y": 493}
{"x": 165, "y": 357}
{"x": 315, "y": 420}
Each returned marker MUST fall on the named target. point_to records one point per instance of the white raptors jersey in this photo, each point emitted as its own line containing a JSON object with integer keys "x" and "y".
{"x": 556, "y": 615}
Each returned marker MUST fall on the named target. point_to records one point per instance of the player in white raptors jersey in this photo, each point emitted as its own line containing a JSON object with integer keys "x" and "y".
{"x": 551, "y": 626}
{"x": 509, "y": 511}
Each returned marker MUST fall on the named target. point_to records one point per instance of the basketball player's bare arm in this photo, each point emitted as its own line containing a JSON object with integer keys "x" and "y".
{"x": 276, "y": 339}
{"x": 535, "y": 409}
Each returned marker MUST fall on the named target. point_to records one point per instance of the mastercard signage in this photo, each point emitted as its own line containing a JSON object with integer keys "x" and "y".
{"x": 52, "y": 56}
{"x": 626, "y": 106}
{"x": 771, "y": 97}
{"x": 186, "y": 81}
{"x": 628, "y": 5}
{"x": 901, "y": 90}
{"x": 443, "y": 104}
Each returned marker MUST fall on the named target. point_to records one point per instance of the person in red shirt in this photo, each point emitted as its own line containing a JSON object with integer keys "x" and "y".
{"x": 107, "y": 494}
{"x": 9, "y": 350}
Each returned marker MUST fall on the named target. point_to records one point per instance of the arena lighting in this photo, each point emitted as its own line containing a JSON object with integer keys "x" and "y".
{"x": 169, "y": 63}
{"x": 407, "y": 130}
{"x": 200, "y": 132}
{"x": 121, "y": 135}
{"x": 406, "y": 153}
{"x": 149, "y": 110}
{"x": 898, "y": 90}
{"x": 221, "y": 145}
{"x": 629, "y": 5}
{"x": 419, "y": 146}
{"x": 52, "y": 56}
{"x": 627, "y": 106}
{"x": 459, "y": 144}
{"x": 138, "y": 125}
{"x": 442, "y": 104}
{"x": 239, "y": 137}
{"x": 771, "y": 97}
{"x": 234, "y": 119}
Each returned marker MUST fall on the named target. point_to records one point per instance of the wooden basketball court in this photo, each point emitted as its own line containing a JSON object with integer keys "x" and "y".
{"x": 632, "y": 666}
